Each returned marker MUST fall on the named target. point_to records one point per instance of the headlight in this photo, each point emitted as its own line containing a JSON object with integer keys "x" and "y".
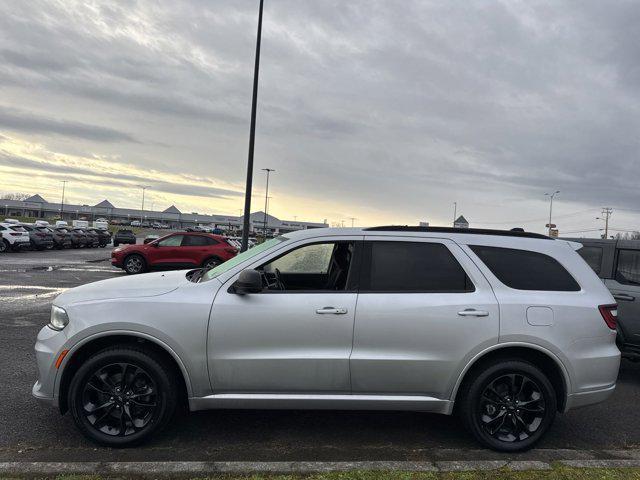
{"x": 59, "y": 318}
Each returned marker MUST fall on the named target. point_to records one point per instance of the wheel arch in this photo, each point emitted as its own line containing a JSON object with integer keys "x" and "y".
{"x": 98, "y": 342}
{"x": 549, "y": 363}
{"x": 209, "y": 257}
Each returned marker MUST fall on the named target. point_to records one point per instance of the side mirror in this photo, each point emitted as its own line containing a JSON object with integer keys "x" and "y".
{"x": 249, "y": 281}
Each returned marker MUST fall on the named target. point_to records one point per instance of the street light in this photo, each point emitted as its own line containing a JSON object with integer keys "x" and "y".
{"x": 143, "y": 187}
{"x": 455, "y": 212}
{"x": 252, "y": 137}
{"x": 266, "y": 198}
{"x": 551, "y": 195}
{"x": 64, "y": 183}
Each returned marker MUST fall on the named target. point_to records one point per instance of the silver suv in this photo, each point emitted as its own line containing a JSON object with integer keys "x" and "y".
{"x": 503, "y": 328}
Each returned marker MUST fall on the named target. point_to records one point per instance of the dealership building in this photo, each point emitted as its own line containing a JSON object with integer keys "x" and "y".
{"x": 37, "y": 207}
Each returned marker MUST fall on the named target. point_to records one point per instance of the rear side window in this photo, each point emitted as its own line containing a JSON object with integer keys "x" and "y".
{"x": 628, "y": 267}
{"x": 197, "y": 241}
{"x": 412, "y": 267}
{"x": 526, "y": 270}
{"x": 593, "y": 257}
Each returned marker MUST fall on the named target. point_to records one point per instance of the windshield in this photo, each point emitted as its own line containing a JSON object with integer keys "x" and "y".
{"x": 252, "y": 252}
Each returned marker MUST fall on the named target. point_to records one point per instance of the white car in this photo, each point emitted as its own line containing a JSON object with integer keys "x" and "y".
{"x": 504, "y": 328}
{"x": 13, "y": 237}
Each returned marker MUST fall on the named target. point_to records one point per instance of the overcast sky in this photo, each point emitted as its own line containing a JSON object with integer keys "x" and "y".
{"x": 387, "y": 111}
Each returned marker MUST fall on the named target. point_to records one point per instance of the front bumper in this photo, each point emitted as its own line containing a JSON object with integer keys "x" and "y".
{"x": 49, "y": 344}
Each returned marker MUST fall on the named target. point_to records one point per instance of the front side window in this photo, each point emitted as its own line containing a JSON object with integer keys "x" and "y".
{"x": 412, "y": 267}
{"x": 628, "y": 267}
{"x": 526, "y": 270}
{"x": 172, "y": 241}
{"x": 315, "y": 267}
{"x": 593, "y": 257}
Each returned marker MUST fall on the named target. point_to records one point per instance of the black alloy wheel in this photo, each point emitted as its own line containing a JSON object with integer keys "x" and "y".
{"x": 121, "y": 395}
{"x": 509, "y": 405}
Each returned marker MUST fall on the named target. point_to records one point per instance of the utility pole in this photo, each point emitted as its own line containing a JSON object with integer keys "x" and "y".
{"x": 143, "y": 187}
{"x": 551, "y": 195}
{"x": 606, "y": 213}
{"x": 455, "y": 212}
{"x": 266, "y": 198}
{"x": 64, "y": 184}
{"x": 252, "y": 138}
{"x": 353, "y": 219}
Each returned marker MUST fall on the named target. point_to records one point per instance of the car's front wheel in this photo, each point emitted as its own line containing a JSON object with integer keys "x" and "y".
{"x": 121, "y": 396}
{"x": 509, "y": 405}
{"x": 134, "y": 264}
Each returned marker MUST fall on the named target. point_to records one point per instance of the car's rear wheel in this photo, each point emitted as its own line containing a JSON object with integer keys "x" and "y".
{"x": 134, "y": 264}
{"x": 121, "y": 396}
{"x": 509, "y": 405}
{"x": 4, "y": 246}
{"x": 210, "y": 263}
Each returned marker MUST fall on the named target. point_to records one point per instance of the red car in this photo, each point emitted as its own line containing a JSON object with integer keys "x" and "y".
{"x": 177, "y": 250}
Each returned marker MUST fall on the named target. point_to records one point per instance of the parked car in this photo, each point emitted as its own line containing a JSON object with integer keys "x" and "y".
{"x": 124, "y": 236}
{"x": 92, "y": 239}
{"x": 617, "y": 263}
{"x": 13, "y": 237}
{"x": 79, "y": 238}
{"x": 505, "y": 328}
{"x": 176, "y": 250}
{"x": 135, "y": 223}
{"x": 61, "y": 237}
{"x": 104, "y": 237}
{"x": 40, "y": 238}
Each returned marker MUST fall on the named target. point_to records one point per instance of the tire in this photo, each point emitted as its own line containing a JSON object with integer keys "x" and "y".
{"x": 4, "y": 246}
{"x": 504, "y": 423}
{"x": 211, "y": 262}
{"x": 142, "y": 414}
{"x": 134, "y": 263}
{"x": 115, "y": 244}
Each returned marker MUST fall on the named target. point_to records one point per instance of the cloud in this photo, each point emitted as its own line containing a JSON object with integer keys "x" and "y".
{"x": 386, "y": 111}
{"x": 27, "y": 122}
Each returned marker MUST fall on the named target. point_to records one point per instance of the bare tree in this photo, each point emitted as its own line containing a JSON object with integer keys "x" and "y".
{"x": 15, "y": 196}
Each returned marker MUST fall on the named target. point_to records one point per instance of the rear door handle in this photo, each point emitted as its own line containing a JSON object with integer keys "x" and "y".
{"x": 624, "y": 296}
{"x": 331, "y": 311}
{"x": 471, "y": 312}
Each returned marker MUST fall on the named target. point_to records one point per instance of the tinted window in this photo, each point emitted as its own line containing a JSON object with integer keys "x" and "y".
{"x": 412, "y": 267}
{"x": 593, "y": 257}
{"x": 197, "y": 241}
{"x": 628, "y": 268}
{"x": 173, "y": 241}
{"x": 526, "y": 270}
{"x": 18, "y": 229}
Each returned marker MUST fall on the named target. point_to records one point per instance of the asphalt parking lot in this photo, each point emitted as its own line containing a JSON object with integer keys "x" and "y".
{"x": 29, "y": 281}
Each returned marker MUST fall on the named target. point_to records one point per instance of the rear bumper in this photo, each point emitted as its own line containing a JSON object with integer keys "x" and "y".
{"x": 582, "y": 399}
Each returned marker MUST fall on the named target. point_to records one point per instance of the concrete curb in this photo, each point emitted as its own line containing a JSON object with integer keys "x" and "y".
{"x": 167, "y": 469}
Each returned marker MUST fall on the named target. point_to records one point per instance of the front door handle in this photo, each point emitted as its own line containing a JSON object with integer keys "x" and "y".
{"x": 331, "y": 311}
{"x": 471, "y": 312}
{"x": 624, "y": 296}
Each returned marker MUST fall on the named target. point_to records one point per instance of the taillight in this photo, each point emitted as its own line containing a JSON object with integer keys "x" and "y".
{"x": 609, "y": 315}
{"x": 15, "y": 234}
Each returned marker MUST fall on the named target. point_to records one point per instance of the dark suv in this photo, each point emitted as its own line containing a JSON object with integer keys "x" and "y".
{"x": 124, "y": 236}
{"x": 617, "y": 263}
{"x": 39, "y": 237}
{"x": 104, "y": 237}
{"x": 61, "y": 237}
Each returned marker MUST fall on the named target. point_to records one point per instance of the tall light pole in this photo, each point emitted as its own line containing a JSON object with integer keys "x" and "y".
{"x": 353, "y": 219}
{"x": 266, "y": 198}
{"x": 64, "y": 184}
{"x": 551, "y": 195}
{"x": 252, "y": 138}
{"x": 143, "y": 187}
{"x": 455, "y": 212}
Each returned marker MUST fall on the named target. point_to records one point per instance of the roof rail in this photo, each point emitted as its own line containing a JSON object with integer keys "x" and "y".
{"x": 466, "y": 231}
